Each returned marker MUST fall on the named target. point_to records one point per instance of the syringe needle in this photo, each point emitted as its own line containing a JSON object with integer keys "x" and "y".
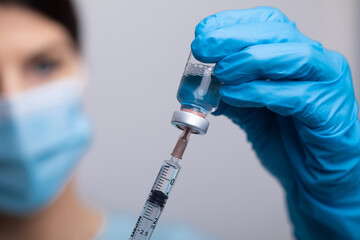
{"x": 181, "y": 144}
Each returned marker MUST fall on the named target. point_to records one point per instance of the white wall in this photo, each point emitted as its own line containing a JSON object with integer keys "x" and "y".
{"x": 137, "y": 51}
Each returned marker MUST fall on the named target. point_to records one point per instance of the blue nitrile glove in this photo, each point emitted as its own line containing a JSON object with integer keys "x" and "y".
{"x": 295, "y": 100}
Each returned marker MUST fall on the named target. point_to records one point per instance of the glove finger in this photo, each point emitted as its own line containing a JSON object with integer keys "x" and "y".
{"x": 231, "y": 17}
{"x": 284, "y": 61}
{"x": 212, "y": 46}
{"x": 287, "y": 98}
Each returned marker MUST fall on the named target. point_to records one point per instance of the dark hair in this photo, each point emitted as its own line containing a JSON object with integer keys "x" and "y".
{"x": 61, "y": 11}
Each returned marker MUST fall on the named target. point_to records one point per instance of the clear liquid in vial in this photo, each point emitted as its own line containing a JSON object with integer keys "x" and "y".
{"x": 200, "y": 92}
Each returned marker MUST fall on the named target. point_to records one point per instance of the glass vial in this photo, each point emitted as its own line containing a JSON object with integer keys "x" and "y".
{"x": 198, "y": 95}
{"x": 199, "y": 88}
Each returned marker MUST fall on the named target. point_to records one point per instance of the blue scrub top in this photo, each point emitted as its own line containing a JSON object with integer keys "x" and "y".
{"x": 118, "y": 227}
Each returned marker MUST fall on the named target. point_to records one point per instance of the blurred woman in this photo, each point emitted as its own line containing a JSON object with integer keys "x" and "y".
{"x": 44, "y": 130}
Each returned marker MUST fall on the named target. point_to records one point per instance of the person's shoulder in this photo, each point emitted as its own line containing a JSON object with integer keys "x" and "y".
{"x": 116, "y": 225}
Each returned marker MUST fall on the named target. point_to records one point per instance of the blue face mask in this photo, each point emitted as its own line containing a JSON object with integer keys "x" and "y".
{"x": 43, "y": 134}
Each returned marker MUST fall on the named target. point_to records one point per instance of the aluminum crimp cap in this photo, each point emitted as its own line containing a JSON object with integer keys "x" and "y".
{"x": 182, "y": 119}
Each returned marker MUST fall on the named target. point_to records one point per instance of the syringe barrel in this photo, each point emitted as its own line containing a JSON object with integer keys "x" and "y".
{"x": 167, "y": 176}
{"x": 156, "y": 201}
{"x": 146, "y": 222}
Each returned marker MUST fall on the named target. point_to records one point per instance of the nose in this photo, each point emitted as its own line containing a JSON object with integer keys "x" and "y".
{"x": 10, "y": 83}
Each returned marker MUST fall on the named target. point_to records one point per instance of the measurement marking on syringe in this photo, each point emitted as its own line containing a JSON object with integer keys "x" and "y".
{"x": 149, "y": 219}
{"x": 148, "y": 211}
{"x": 170, "y": 165}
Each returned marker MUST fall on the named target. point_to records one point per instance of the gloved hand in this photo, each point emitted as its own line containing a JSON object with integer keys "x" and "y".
{"x": 295, "y": 101}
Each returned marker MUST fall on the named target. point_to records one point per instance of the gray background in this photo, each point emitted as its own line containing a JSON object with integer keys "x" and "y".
{"x": 136, "y": 51}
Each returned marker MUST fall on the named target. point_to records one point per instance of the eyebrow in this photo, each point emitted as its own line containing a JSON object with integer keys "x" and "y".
{"x": 45, "y": 51}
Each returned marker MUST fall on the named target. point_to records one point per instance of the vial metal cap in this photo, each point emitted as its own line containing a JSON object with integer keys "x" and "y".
{"x": 183, "y": 119}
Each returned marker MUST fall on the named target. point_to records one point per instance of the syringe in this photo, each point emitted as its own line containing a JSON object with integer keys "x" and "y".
{"x": 198, "y": 95}
{"x": 160, "y": 191}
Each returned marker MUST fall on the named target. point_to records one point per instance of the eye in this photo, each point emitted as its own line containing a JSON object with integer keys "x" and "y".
{"x": 44, "y": 67}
